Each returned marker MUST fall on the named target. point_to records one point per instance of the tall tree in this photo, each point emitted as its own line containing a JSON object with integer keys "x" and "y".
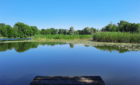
{"x": 10, "y": 32}
{"x": 71, "y": 31}
{"x": 34, "y": 30}
{"x": 23, "y": 30}
{"x": 111, "y": 27}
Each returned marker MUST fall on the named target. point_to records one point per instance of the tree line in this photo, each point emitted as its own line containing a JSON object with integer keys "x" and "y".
{"x": 71, "y": 31}
{"x": 22, "y": 30}
{"x": 122, "y": 26}
{"x": 18, "y": 30}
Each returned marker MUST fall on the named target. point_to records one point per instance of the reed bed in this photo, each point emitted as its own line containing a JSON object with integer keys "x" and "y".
{"x": 124, "y": 37}
{"x": 61, "y": 36}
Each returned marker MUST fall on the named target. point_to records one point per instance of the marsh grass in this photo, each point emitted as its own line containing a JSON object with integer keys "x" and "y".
{"x": 124, "y": 37}
{"x": 61, "y": 37}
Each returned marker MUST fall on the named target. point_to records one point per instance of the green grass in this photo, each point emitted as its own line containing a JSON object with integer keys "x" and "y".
{"x": 61, "y": 36}
{"x": 117, "y": 37}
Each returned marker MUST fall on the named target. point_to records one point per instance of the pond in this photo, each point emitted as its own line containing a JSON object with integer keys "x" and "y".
{"x": 21, "y": 62}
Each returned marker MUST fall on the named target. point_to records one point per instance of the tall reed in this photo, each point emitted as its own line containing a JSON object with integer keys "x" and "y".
{"x": 125, "y": 37}
{"x": 61, "y": 36}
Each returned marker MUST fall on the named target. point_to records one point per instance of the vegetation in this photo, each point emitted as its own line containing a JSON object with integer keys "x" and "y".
{"x": 71, "y": 31}
{"x": 122, "y": 32}
{"x": 22, "y": 30}
{"x": 19, "y": 30}
{"x": 125, "y": 37}
{"x": 62, "y": 36}
{"x": 122, "y": 26}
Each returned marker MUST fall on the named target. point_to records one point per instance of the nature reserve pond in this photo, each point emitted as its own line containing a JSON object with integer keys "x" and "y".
{"x": 20, "y": 62}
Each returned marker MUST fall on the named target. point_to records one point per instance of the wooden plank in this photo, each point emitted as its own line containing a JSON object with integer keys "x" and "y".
{"x": 67, "y": 80}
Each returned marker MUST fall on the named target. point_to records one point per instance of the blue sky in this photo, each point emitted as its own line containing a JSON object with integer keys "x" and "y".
{"x": 66, "y": 13}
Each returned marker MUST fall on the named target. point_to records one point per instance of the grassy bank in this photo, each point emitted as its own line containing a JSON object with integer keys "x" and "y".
{"x": 61, "y": 37}
{"x": 117, "y": 37}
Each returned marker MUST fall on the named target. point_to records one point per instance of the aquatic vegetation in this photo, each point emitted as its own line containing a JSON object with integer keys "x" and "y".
{"x": 61, "y": 36}
{"x": 124, "y": 37}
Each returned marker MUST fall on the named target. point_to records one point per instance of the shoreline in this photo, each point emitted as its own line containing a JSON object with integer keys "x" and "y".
{"x": 74, "y": 41}
{"x": 87, "y": 42}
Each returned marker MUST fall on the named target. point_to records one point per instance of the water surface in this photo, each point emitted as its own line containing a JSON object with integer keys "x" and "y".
{"x": 21, "y": 62}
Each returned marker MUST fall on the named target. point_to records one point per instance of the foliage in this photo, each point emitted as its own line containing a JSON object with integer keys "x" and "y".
{"x": 111, "y": 27}
{"x": 19, "y": 30}
{"x": 62, "y": 36}
{"x": 125, "y": 37}
{"x": 123, "y": 26}
{"x": 71, "y": 31}
{"x": 24, "y": 30}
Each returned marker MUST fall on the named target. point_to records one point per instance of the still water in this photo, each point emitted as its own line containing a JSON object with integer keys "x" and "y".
{"x": 21, "y": 62}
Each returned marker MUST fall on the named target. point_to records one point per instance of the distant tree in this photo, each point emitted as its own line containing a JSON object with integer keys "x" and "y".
{"x": 65, "y": 32}
{"x": 111, "y": 27}
{"x": 15, "y": 32}
{"x": 43, "y": 31}
{"x": 60, "y": 31}
{"x": 125, "y": 26}
{"x": 93, "y": 30}
{"x": 86, "y": 30}
{"x": 23, "y": 30}
{"x": 52, "y": 31}
{"x": 71, "y": 31}
{"x": 79, "y": 32}
{"x": 3, "y": 30}
{"x": 134, "y": 27}
{"x": 34, "y": 30}
{"x": 10, "y": 32}
{"x": 138, "y": 28}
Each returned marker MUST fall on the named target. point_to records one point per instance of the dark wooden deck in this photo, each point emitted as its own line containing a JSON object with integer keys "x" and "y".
{"x": 66, "y": 80}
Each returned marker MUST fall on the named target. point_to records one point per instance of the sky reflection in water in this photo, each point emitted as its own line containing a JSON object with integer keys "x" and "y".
{"x": 20, "y": 62}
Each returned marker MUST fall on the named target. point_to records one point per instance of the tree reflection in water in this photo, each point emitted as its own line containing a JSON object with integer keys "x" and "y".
{"x": 112, "y": 48}
{"x": 24, "y": 46}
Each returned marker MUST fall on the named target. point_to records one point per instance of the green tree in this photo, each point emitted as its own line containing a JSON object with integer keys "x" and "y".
{"x": 124, "y": 26}
{"x": 10, "y": 32}
{"x": 93, "y": 30}
{"x": 86, "y": 30}
{"x": 3, "y": 30}
{"x": 71, "y": 31}
{"x": 52, "y": 31}
{"x": 23, "y": 30}
{"x": 34, "y": 30}
{"x": 111, "y": 27}
{"x": 43, "y": 31}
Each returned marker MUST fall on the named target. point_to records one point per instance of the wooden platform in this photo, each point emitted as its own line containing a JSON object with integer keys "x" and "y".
{"x": 66, "y": 80}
